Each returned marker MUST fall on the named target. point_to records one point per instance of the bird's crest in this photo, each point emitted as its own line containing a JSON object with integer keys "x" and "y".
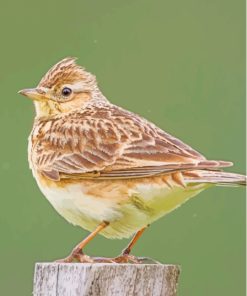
{"x": 65, "y": 71}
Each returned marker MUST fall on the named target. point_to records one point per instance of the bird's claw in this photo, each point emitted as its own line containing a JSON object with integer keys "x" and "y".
{"x": 127, "y": 258}
{"x": 82, "y": 258}
{"x": 79, "y": 256}
{"x": 76, "y": 255}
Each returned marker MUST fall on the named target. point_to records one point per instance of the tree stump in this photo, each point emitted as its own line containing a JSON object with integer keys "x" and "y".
{"x": 100, "y": 279}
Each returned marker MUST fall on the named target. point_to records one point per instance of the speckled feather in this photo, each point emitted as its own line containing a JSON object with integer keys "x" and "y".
{"x": 95, "y": 161}
{"x": 105, "y": 138}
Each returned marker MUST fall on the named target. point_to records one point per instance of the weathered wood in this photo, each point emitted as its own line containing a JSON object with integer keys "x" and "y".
{"x": 76, "y": 279}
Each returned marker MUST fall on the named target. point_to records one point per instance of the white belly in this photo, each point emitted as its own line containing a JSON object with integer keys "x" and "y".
{"x": 143, "y": 205}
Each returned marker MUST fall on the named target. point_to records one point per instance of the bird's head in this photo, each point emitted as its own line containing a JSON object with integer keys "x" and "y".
{"x": 65, "y": 87}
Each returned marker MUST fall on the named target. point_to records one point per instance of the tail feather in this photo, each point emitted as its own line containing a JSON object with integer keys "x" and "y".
{"x": 214, "y": 177}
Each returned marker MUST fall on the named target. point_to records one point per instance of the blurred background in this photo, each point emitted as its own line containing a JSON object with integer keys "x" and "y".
{"x": 181, "y": 64}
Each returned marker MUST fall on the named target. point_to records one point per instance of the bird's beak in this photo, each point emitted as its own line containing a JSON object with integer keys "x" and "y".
{"x": 36, "y": 94}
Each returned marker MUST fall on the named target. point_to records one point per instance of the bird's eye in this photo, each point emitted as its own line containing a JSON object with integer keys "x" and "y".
{"x": 66, "y": 91}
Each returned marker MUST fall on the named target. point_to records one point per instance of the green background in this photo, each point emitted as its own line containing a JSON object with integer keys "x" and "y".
{"x": 180, "y": 64}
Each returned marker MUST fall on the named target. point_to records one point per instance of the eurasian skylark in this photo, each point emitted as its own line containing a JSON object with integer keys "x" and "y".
{"x": 106, "y": 169}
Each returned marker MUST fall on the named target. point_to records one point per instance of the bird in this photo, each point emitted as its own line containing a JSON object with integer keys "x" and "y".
{"x": 106, "y": 169}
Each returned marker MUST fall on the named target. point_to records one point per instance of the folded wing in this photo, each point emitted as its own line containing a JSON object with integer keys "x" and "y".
{"x": 108, "y": 142}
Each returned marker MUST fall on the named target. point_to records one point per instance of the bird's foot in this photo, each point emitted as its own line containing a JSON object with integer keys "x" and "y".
{"x": 127, "y": 258}
{"x": 78, "y": 256}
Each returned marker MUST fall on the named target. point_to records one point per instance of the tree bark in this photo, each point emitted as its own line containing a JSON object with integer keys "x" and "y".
{"x": 78, "y": 279}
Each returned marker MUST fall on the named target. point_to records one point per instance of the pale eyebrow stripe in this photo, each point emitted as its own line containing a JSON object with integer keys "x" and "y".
{"x": 78, "y": 90}
{"x": 76, "y": 87}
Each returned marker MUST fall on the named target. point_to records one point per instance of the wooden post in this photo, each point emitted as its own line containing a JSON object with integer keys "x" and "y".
{"x": 99, "y": 279}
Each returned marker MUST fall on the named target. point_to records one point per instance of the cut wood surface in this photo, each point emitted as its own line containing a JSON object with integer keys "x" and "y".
{"x": 79, "y": 279}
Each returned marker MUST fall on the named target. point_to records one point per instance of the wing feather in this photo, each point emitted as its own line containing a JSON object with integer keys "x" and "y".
{"x": 112, "y": 141}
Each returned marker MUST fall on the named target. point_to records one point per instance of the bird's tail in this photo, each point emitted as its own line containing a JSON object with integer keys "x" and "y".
{"x": 214, "y": 177}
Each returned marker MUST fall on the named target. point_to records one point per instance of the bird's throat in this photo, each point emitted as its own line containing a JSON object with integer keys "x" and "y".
{"x": 46, "y": 108}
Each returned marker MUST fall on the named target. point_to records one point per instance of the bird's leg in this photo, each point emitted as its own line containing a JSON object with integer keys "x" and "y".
{"x": 77, "y": 253}
{"x": 130, "y": 246}
{"x": 125, "y": 255}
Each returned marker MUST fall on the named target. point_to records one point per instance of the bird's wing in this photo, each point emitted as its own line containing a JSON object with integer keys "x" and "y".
{"x": 109, "y": 142}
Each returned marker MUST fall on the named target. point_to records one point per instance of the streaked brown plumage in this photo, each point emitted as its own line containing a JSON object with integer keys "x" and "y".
{"x": 82, "y": 143}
